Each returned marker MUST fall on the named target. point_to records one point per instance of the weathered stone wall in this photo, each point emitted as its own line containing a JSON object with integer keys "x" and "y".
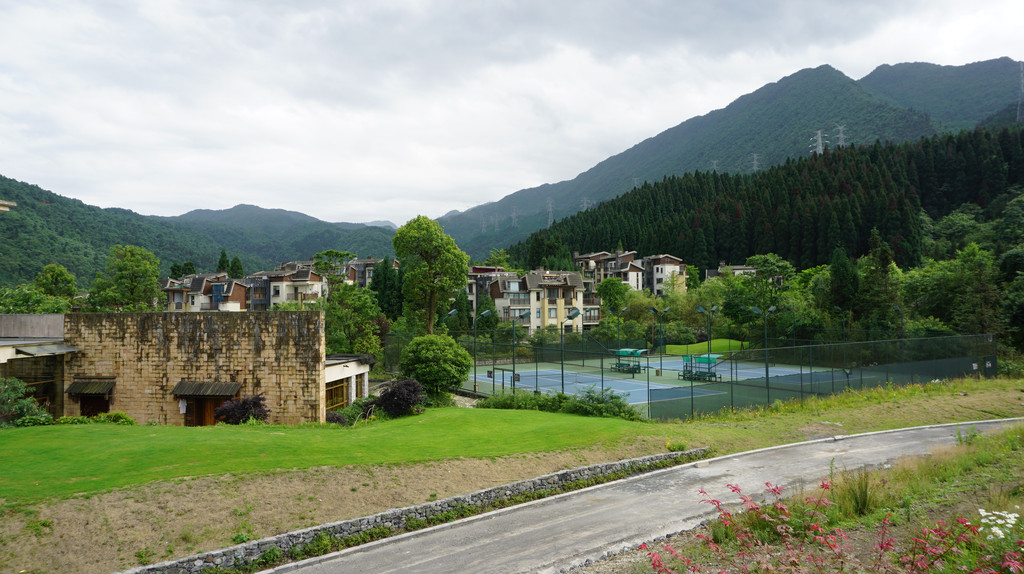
{"x": 245, "y": 553}
{"x": 280, "y": 354}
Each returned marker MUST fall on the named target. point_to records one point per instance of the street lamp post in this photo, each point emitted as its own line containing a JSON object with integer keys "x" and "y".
{"x": 661, "y": 332}
{"x": 515, "y": 318}
{"x": 707, "y": 313}
{"x": 476, "y": 383}
{"x": 573, "y": 313}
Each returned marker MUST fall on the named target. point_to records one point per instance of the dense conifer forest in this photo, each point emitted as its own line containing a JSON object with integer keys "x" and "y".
{"x": 803, "y": 209}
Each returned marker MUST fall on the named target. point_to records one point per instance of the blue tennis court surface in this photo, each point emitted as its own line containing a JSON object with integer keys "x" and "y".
{"x": 550, "y": 381}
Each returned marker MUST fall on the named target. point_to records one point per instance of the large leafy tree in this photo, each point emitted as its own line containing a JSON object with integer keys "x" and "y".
{"x": 56, "y": 281}
{"x": 612, "y": 292}
{"x": 29, "y": 299}
{"x": 435, "y": 267}
{"x": 129, "y": 283}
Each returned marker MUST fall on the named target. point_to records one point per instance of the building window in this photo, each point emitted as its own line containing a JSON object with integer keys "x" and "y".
{"x": 552, "y": 292}
{"x": 538, "y": 313}
{"x": 552, "y": 313}
{"x": 277, "y": 291}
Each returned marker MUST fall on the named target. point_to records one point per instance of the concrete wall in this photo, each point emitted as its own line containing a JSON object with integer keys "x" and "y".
{"x": 280, "y": 354}
{"x": 50, "y": 326}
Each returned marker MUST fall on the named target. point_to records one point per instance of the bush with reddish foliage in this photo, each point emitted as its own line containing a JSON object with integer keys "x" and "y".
{"x": 399, "y": 398}
{"x": 238, "y": 411}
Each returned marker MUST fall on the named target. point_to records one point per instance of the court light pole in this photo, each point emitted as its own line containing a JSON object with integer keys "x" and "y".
{"x": 618, "y": 327}
{"x": 707, "y": 313}
{"x": 842, "y": 316}
{"x": 764, "y": 316}
{"x": 902, "y": 332}
{"x": 476, "y": 384}
{"x": 573, "y": 313}
{"x": 661, "y": 332}
{"x": 515, "y": 319}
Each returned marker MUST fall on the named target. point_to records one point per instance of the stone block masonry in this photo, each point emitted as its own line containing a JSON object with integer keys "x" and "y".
{"x": 279, "y": 354}
{"x": 395, "y": 518}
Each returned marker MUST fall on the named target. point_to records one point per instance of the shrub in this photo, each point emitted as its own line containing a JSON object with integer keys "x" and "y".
{"x": 16, "y": 402}
{"x": 359, "y": 409}
{"x": 399, "y": 398}
{"x": 336, "y": 417}
{"x": 73, "y": 421}
{"x": 587, "y": 402}
{"x": 238, "y": 411}
{"x": 437, "y": 362}
{"x": 606, "y": 403}
{"x": 33, "y": 421}
{"x": 114, "y": 417}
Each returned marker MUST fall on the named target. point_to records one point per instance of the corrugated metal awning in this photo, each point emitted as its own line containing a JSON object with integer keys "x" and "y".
{"x": 199, "y": 389}
{"x": 44, "y": 350}
{"x": 90, "y": 387}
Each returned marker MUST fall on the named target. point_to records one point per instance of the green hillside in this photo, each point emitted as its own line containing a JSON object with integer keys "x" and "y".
{"x": 48, "y": 228}
{"x": 775, "y": 122}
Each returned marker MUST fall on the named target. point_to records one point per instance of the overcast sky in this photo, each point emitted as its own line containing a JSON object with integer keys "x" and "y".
{"x": 382, "y": 110}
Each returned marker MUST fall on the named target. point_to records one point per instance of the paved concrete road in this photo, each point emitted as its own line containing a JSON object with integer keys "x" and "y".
{"x": 564, "y": 531}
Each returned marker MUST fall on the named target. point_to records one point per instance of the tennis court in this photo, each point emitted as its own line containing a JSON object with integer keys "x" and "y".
{"x": 549, "y": 380}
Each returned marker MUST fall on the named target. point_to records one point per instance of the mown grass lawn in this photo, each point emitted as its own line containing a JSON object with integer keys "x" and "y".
{"x": 717, "y": 346}
{"x": 62, "y": 460}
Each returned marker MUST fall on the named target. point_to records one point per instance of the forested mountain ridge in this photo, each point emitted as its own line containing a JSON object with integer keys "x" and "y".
{"x": 803, "y": 209}
{"x": 282, "y": 235}
{"x": 956, "y": 97}
{"x": 48, "y": 228}
{"x": 775, "y": 122}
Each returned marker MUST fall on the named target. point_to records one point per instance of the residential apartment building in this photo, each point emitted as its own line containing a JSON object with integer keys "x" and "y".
{"x": 660, "y": 269}
{"x": 539, "y": 298}
{"x": 292, "y": 281}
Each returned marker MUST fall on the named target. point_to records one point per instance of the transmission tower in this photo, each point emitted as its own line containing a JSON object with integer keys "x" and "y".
{"x": 818, "y": 142}
{"x": 1020, "y": 95}
{"x": 483, "y": 224}
{"x": 840, "y": 136}
{"x": 714, "y": 165}
{"x": 515, "y": 219}
{"x": 754, "y": 157}
{"x": 551, "y": 213}
{"x": 586, "y": 203}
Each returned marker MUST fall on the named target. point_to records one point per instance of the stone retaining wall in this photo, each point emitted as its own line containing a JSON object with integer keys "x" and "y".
{"x": 395, "y": 518}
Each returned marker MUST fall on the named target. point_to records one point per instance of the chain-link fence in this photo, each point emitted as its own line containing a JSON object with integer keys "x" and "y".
{"x": 667, "y": 386}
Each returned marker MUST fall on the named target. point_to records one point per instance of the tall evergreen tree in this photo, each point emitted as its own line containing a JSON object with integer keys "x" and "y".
{"x": 235, "y": 270}
{"x": 223, "y": 263}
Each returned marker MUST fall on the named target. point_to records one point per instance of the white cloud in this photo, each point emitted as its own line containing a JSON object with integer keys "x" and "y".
{"x": 361, "y": 111}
